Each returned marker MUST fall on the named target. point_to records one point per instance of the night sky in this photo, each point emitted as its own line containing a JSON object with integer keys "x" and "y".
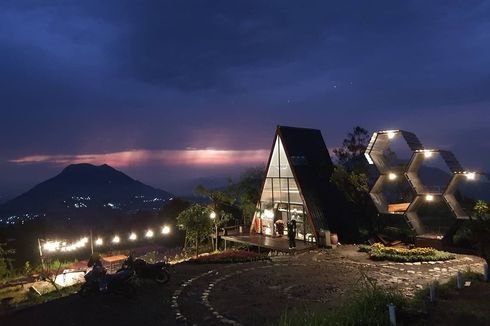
{"x": 172, "y": 91}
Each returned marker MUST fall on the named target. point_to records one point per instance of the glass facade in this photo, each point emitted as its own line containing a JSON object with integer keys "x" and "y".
{"x": 281, "y": 201}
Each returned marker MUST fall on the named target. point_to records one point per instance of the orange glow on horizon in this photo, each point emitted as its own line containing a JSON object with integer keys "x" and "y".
{"x": 187, "y": 157}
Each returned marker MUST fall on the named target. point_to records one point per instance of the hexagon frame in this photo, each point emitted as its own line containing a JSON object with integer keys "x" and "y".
{"x": 374, "y": 154}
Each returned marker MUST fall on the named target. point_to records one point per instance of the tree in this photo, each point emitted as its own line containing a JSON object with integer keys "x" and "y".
{"x": 6, "y": 267}
{"x": 247, "y": 192}
{"x": 351, "y": 154}
{"x": 480, "y": 229}
{"x": 350, "y": 175}
{"x": 196, "y": 223}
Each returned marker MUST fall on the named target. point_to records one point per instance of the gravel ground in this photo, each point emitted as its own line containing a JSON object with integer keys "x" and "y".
{"x": 243, "y": 294}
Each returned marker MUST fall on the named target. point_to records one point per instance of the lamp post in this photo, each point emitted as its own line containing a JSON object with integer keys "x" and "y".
{"x": 212, "y": 216}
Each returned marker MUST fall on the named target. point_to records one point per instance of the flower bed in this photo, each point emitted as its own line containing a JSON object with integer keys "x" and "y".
{"x": 228, "y": 256}
{"x": 378, "y": 251}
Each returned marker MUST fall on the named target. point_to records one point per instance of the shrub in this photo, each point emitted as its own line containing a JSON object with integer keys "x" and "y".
{"x": 367, "y": 307}
{"x": 378, "y": 251}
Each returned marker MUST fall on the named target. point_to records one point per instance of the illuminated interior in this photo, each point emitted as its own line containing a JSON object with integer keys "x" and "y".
{"x": 281, "y": 199}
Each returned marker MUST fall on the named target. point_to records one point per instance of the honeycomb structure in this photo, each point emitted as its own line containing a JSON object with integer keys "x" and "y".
{"x": 378, "y": 152}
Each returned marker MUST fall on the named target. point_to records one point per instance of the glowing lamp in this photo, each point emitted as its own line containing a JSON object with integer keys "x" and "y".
{"x": 391, "y": 134}
{"x": 429, "y": 197}
{"x": 392, "y": 176}
{"x": 116, "y": 239}
{"x": 133, "y": 236}
{"x": 165, "y": 229}
{"x": 427, "y": 154}
{"x": 470, "y": 175}
{"x": 51, "y": 245}
{"x": 268, "y": 213}
{"x": 149, "y": 234}
{"x": 99, "y": 242}
{"x": 212, "y": 215}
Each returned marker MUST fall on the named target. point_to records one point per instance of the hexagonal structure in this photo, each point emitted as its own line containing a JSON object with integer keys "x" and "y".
{"x": 378, "y": 151}
{"x": 418, "y": 158}
{"x": 391, "y": 168}
{"x": 450, "y": 193}
{"x": 440, "y": 197}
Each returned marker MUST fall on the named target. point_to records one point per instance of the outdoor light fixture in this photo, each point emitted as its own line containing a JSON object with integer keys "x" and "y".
{"x": 165, "y": 229}
{"x": 149, "y": 233}
{"x": 132, "y": 236}
{"x": 212, "y": 215}
{"x": 429, "y": 197}
{"x": 268, "y": 213}
{"x": 392, "y": 176}
{"x": 427, "y": 154}
{"x": 99, "y": 242}
{"x": 116, "y": 239}
{"x": 470, "y": 175}
{"x": 51, "y": 245}
{"x": 391, "y": 134}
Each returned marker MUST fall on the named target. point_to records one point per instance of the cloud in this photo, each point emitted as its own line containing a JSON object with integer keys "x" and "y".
{"x": 131, "y": 158}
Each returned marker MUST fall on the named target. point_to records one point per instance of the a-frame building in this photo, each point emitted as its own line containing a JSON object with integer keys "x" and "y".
{"x": 297, "y": 185}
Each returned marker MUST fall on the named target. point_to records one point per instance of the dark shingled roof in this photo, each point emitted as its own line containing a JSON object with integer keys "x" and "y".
{"x": 312, "y": 167}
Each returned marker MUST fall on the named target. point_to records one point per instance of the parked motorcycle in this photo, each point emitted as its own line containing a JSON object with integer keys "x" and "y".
{"x": 157, "y": 272}
{"x": 97, "y": 281}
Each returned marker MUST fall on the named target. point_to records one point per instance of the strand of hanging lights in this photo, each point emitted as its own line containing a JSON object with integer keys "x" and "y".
{"x": 69, "y": 246}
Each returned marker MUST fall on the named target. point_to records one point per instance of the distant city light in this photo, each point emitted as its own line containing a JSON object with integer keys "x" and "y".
{"x": 392, "y": 176}
{"x": 149, "y": 233}
{"x": 165, "y": 229}
{"x": 133, "y": 236}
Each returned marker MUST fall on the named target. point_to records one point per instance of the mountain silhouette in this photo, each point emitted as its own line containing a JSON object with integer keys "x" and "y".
{"x": 86, "y": 187}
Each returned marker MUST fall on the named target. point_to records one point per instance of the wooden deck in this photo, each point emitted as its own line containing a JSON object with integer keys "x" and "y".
{"x": 274, "y": 243}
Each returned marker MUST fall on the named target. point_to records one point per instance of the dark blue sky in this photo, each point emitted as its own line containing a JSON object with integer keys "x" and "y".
{"x": 148, "y": 82}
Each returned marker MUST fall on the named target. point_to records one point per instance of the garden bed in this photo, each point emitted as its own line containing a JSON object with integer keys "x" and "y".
{"x": 228, "y": 256}
{"x": 378, "y": 251}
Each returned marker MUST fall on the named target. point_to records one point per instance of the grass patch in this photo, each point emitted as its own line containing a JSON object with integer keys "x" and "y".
{"x": 378, "y": 251}
{"x": 367, "y": 307}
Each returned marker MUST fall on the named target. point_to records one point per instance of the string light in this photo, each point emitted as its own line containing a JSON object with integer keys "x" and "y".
{"x": 165, "y": 229}
{"x": 392, "y": 176}
{"x": 51, "y": 246}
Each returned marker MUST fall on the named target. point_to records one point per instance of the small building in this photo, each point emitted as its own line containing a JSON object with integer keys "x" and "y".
{"x": 297, "y": 186}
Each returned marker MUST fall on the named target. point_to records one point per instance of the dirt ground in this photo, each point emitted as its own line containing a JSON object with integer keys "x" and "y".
{"x": 242, "y": 294}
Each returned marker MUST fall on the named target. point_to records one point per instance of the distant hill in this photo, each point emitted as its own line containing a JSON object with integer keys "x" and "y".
{"x": 84, "y": 188}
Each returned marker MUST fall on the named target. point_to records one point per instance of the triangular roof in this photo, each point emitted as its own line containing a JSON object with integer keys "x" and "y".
{"x": 312, "y": 168}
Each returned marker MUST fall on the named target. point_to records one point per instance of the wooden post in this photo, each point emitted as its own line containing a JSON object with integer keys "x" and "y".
{"x": 91, "y": 243}
{"x": 459, "y": 280}
{"x": 41, "y": 253}
{"x": 485, "y": 272}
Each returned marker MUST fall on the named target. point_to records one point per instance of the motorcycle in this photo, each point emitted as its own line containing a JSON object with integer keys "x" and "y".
{"x": 97, "y": 281}
{"x": 157, "y": 272}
